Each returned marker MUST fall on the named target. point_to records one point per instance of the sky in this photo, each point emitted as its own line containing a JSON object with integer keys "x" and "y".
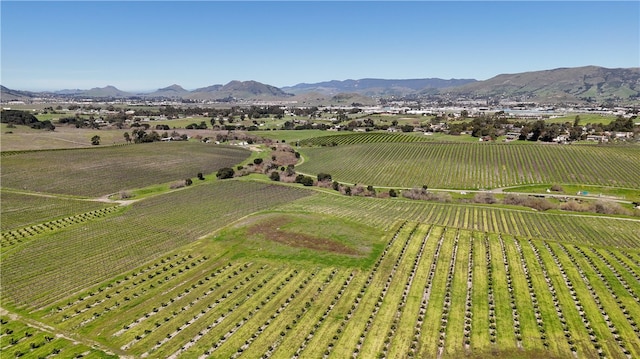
{"x": 146, "y": 45}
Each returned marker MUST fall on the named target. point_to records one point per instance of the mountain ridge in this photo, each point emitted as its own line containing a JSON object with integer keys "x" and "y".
{"x": 568, "y": 84}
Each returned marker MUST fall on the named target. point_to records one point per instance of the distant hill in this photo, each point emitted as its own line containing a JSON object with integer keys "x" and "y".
{"x": 250, "y": 89}
{"x": 7, "y": 94}
{"x": 104, "y": 92}
{"x": 578, "y": 85}
{"x": 173, "y": 91}
{"x": 376, "y": 87}
{"x": 589, "y": 83}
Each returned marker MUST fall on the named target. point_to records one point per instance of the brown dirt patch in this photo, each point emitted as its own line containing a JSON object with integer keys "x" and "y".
{"x": 271, "y": 231}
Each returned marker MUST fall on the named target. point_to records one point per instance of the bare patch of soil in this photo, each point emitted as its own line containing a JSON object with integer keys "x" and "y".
{"x": 271, "y": 231}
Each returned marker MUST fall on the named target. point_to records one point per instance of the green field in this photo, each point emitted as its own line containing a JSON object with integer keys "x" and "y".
{"x": 252, "y": 268}
{"x": 457, "y": 165}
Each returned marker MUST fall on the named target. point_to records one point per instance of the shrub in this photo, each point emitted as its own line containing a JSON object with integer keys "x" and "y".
{"x": 177, "y": 185}
{"x": 557, "y": 188}
{"x": 392, "y": 193}
{"x": 607, "y": 207}
{"x": 188, "y": 182}
{"x": 200, "y": 176}
{"x": 257, "y": 161}
{"x": 274, "y": 176}
{"x": 225, "y": 172}
{"x": 125, "y": 195}
{"x": 484, "y": 197}
{"x": 422, "y": 194}
{"x": 336, "y": 186}
{"x": 540, "y": 204}
{"x": 307, "y": 181}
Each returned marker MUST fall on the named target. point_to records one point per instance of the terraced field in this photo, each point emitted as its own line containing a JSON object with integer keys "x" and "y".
{"x": 473, "y": 166}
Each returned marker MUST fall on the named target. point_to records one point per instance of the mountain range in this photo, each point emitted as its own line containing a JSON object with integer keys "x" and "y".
{"x": 578, "y": 84}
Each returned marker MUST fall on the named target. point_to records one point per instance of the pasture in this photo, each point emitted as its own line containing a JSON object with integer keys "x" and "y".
{"x": 247, "y": 267}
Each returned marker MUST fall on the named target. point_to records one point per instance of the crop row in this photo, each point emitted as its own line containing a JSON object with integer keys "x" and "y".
{"x": 16, "y": 236}
{"x": 92, "y": 305}
{"x": 356, "y": 138}
{"x": 17, "y": 339}
{"x": 188, "y": 308}
{"x": 21, "y": 209}
{"x": 553, "y": 226}
{"x": 83, "y": 175}
{"x": 78, "y": 256}
{"x": 489, "y": 292}
{"x": 465, "y": 165}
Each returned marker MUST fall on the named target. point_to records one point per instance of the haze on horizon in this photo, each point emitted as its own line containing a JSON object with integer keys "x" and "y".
{"x": 143, "y": 46}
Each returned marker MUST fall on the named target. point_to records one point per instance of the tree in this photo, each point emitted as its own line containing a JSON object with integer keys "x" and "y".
{"x": 95, "y": 140}
{"x": 392, "y": 193}
{"x": 225, "y": 172}
{"x": 407, "y": 128}
{"x": 257, "y": 161}
{"x": 200, "y": 176}
{"x": 274, "y": 176}
{"x": 127, "y": 137}
{"x": 324, "y": 177}
{"x": 304, "y": 180}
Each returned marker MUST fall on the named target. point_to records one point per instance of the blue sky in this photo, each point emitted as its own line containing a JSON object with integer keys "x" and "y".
{"x": 146, "y": 45}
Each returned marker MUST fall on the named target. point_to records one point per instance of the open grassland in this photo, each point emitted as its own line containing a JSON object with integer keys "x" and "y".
{"x": 22, "y": 209}
{"x": 457, "y": 165}
{"x": 77, "y": 256}
{"x": 430, "y": 291}
{"x": 100, "y": 171}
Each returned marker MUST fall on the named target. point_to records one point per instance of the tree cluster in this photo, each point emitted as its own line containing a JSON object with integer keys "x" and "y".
{"x": 16, "y": 117}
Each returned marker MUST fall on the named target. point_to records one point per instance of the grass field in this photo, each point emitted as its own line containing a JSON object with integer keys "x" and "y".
{"x": 449, "y": 165}
{"x": 252, "y": 268}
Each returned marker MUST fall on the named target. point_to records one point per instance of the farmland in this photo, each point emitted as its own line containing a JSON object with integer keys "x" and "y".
{"x": 252, "y": 268}
{"x": 100, "y": 171}
{"x": 458, "y": 165}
